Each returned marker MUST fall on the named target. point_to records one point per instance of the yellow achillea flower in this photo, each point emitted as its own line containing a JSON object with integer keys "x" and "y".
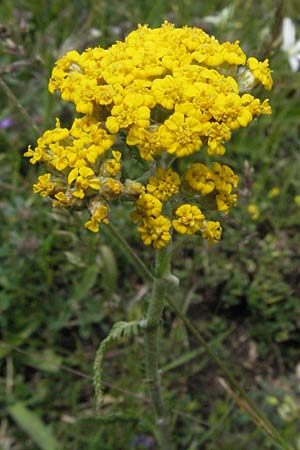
{"x": 155, "y": 231}
{"x": 161, "y": 94}
{"x": 219, "y": 180}
{"x": 111, "y": 188}
{"x": 164, "y": 185}
{"x": 212, "y": 231}
{"x": 229, "y": 109}
{"x": 146, "y": 206}
{"x": 180, "y": 135}
{"x": 225, "y": 201}
{"x": 99, "y": 215}
{"x": 84, "y": 178}
{"x": 200, "y": 178}
{"x": 44, "y": 186}
{"x": 63, "y": 200}
{"x": 224, "y": 177}
{"x": 112, "y": 167}
{"x": 261, "y": 72}
{"x": 133, "y": 189}
{"x": 189, "y": 219}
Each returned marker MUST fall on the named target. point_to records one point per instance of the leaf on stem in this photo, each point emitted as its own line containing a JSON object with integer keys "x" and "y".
{"x": 118, "y": 331}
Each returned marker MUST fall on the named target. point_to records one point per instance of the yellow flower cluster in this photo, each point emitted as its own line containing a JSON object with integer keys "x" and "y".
{"x": 165, "y": 93}
{"x": 217, "y": 181}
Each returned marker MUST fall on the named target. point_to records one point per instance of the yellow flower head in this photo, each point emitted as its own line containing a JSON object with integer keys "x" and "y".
{"x": 84, "y": 178}
{"x": 212, "y": 231}
{"x": 189, "y": 219}
{"x": 111, "y": 188}
{"x": 261, "y": 72}
{"x": 99, "y": 215}
{"x": 225, "y": 201}
{"x": 146, "y": 206}
{"x": 44, "y": 186}
{"x": 155, "y": 231}
{"x": 224, "y": 177}
{"x": 111, "y": 167}
{"x": 200, "y": 178}
{"x": 161, "y": 94}
{"x": 133, "y": 188}
{"x": 164, "y": 185}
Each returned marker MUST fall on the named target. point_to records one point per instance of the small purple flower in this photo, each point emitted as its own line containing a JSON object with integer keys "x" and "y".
{"x": 6, "y": 122}
{"x": 146, "y": 441}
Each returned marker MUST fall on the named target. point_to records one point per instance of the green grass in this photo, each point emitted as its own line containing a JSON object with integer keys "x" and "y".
{"x": 62, "y": 288}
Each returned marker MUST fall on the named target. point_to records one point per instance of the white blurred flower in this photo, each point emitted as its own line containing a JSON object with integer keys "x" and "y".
{"x": 289, "y": 43}
{"x": 95, "y": 32}
{"x": 222, "y": 17}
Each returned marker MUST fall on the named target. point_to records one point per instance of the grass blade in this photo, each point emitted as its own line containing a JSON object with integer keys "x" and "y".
{"x": 33, "y": 426}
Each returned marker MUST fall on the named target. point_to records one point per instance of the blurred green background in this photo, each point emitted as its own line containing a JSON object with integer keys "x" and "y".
{"x": 62, "y": 287}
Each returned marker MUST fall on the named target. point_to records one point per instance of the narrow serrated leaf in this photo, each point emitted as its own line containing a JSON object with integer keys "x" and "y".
{"x": 119, "y": 330}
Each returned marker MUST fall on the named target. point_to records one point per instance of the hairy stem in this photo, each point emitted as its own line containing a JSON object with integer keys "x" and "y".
{"x": 154, "y": 314}
{"x": 162, "y": 271}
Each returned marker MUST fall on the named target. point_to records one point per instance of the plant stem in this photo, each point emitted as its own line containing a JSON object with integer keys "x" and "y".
{"x": 154, "y": 314}
{"x": 138, "y": 263}
{"x": 162, "y": 271}
{"x": 20, "y": 107}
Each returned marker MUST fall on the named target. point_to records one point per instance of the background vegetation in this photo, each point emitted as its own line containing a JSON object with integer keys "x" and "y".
{"x": 62, "y": 287}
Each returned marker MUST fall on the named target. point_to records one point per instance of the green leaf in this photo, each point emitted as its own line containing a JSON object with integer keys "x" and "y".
{"x": 110, "y": 268}
{"x": 46, "y": 360}
{"x": 5, "y": 349}
{"x": 33, "y": 426}
{"x": 87, "y": 281}
{"x": 182, "y": 360}
{"x": 119, "y": 330}
{"x": 17, "y": 339}
{"x": 74, "y": 259}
